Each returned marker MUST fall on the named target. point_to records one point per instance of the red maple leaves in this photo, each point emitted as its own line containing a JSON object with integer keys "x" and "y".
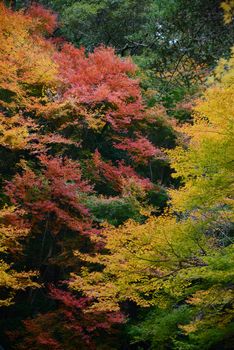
{"x": 68, "y": 326}
{"x": 118, "y": 176}
{"x": 101, "y": 78}
{"x": 54, "y": 191}
{"x": 140, "y": 149}
{"x": 45, "y": 20}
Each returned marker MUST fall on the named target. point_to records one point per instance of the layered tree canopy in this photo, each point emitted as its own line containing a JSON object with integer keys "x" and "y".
{"x": 116, "y": 161}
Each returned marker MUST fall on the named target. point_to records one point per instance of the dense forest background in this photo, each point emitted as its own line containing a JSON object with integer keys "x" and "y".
{"x": 116, "y": 162}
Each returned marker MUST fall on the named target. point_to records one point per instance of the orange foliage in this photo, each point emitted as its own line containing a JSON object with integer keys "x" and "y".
{"x": 101, "y": 78}
{"x": 46, "y": 20}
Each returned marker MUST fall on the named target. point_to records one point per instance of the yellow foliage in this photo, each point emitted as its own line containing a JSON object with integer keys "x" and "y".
{"x": 206, "y": 167}
{"x": 228, "y": 8}
{"x": 24, "y": 58}
{"x": 189, "y": 328}
{"x": 10, "y": 279}
{"x": 27, "y": 70}
{"x": 13, "y": 134}
{"x": 209, "y": 300}
{"x": 224, "y": 72}
{"x": 13, "y": 281}
{"x": 144, "y": 260}
{"x": 27, "y": 76}
{"x": 95, "y": 118}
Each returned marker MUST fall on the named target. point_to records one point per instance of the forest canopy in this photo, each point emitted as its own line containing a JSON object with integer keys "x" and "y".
{"x": 116, "y": 162}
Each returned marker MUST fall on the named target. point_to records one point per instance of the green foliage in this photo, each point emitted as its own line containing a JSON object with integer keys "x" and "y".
{"x": 114, "y": 210}
{"x": 165, "y": 326}
{"x": 107, "y": 17}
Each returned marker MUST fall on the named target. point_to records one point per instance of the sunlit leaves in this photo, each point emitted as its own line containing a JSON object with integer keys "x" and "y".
{"x": 207, "y": 166}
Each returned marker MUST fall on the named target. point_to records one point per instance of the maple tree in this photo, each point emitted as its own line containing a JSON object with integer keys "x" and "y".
{"x": 91, "y": 82}
{"x": 53, "y": 194}
{"x": 44, "y": 20}
{"x": 68, "y": 326}
{"x": 108, "y": 99}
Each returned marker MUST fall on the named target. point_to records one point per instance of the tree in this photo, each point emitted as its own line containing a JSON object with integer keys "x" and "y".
{"x": 69, "y": 326}
{"x": 66, "y": 118}
{"x": 175, "y": 42}
{"x": 13, "y": 231}
{"x": 181, "y": 261}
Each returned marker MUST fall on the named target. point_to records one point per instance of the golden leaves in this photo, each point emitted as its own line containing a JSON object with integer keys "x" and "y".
{"x": 13, "y": 134}
{"x": 228, "y": 8}
{"x": 10, "y": 234}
